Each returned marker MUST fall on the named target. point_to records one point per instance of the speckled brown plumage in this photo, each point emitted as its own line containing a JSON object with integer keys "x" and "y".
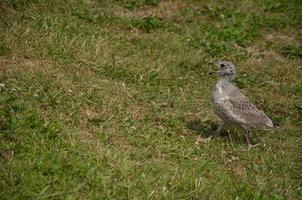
{"x": 232, "y": 106}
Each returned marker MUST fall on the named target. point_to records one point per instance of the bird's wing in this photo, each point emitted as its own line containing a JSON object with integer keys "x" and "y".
{"x": 240, "y": 110}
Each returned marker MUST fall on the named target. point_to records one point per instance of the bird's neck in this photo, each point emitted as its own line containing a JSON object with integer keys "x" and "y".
{"x": 226, "y": 79}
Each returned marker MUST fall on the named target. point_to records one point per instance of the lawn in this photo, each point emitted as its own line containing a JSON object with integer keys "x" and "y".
{"x": 109, "y": 99}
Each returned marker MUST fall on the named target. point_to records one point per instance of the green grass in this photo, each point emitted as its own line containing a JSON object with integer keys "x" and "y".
{"x": 106, "y": 99}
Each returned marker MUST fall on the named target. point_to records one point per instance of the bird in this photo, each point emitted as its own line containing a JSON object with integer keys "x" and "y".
{"x": 233, "y": 107}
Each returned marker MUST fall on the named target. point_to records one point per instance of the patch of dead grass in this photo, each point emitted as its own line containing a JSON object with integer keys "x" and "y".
{"x": 290, "y": 38}
{"x": 166, "y": 9}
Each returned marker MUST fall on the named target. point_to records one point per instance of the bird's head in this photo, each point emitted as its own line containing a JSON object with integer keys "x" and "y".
{"x": 226, "y": 70}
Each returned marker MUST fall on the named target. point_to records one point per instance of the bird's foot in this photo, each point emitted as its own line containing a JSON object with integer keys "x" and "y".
{"x": 202, "y": 140}
{"x": 251, "y": 146}
{"x": 215, "y": 134}
{"x": 210, "y": 137}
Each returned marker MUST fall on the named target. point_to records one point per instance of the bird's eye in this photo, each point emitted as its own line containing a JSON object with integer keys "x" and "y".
{"x": 222, "y": 65}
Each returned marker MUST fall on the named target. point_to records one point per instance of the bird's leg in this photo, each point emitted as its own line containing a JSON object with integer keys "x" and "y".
{"x": 229, "y": 134}
{"x": 247, "y": 139}
{"x": 218, "y": 131}
{"x": 250, "y": 146}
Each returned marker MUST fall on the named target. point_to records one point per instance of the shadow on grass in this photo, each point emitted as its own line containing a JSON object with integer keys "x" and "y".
{"x": 206, "y": 128}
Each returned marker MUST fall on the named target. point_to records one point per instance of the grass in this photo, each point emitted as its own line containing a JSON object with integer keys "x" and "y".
{"x": 110, "y": 99}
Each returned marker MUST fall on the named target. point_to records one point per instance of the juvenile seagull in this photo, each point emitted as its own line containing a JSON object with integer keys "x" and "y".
{"x": 232, "y": 106}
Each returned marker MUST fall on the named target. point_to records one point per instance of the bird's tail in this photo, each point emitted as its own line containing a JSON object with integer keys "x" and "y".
{"x": 269, "y": 123}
